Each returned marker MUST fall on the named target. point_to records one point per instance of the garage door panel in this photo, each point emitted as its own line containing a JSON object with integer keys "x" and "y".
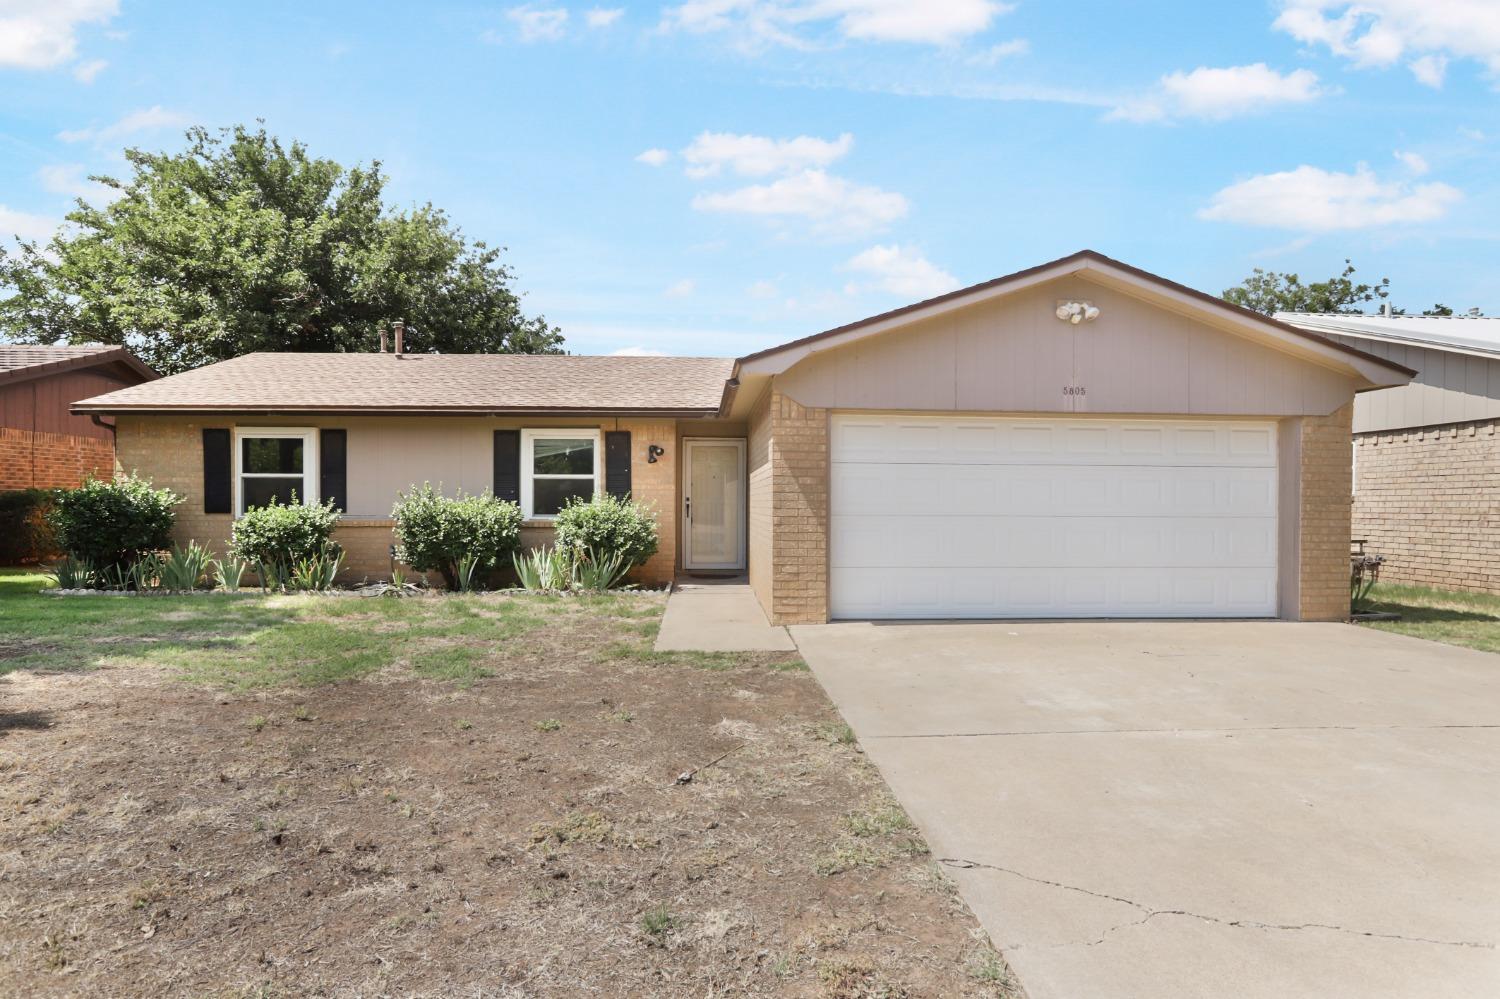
{"x": 940, "y": 440}
{"x": 976, "y": 517}
{"x": 896, "y": 594}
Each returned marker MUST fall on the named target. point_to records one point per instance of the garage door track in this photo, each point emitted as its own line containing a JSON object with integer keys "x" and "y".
{"x": 1246, "y": 809}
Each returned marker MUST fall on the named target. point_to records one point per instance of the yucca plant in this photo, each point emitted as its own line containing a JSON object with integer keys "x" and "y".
{"x": 229, "y": 572}
{"x": 115, "y": 577}
{"x": 468, "y": 572}
{"x": 599, "y": 571}
{"x": 73, "y": 573}
{"x": 147, "y": 572}
{"x": 544, "y": 569}
{"x": 183, "y": 567}
{"x": 273, "y": 575}
{"x": 319, "y": 571}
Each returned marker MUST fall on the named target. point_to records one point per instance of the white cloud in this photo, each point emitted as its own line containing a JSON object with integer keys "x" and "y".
{"x": 902, "y": 271}
{"x": 995, "y": 53}
{"x": 762, "y": 290}
{"x": 832, "y": 205}
{"x": 1220, "y": 93}
{"x": 758, "y": 156}
{"x": 680, "y": 289}
{"x": 41, "y": 34}
{"x": 1383, "y": 32}
{"x": 755, "y": 23}
{"x": 72, "y": 179}
{"x": 148, "y": 120}
{"x": 86, "y": 72}
{"x": 1415, "y": 162}
{"x": 1309, "y": 199}
{"x": 25, "y": 225}
{"x": 654, "y": 157}
{"x": 637, "y": 351}
{"x": 603, "y": 17}
{"x": 539, "y": 24}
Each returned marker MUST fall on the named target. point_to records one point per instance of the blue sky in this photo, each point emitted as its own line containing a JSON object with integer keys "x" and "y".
{"x": 716, "y": 176}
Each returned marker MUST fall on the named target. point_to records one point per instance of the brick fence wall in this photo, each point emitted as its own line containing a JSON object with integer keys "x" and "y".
{"x": 31, "y": 460}
{"x": 1323, "y": 520}
{"x": 1429, "y": 500}
{"x": 799, "y": 512}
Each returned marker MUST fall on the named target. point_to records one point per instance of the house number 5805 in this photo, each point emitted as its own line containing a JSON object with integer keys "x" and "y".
{"x": 1074, "y": 390}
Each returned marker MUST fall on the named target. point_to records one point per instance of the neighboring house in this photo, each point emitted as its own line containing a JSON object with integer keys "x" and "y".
{"x": 1426, "y": 457}
{"x": 43, "y": 444}
{"x": 980, "y": 454}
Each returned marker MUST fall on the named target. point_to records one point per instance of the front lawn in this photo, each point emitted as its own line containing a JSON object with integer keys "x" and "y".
{"x": 477, "y": 795}
{"x": 1457, "y": 618}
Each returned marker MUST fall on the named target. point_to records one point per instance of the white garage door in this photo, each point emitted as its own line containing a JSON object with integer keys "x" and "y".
{"x": 949, "y": 517}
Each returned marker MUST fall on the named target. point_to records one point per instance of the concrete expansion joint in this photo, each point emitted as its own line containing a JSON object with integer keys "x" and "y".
{"x": 1149, "y": 913}
{"x": 1186, "y": 731}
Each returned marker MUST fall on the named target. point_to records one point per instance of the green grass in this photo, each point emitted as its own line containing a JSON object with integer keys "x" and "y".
{"x": 256, "y": 641}
{"x": 1455, "y": 618}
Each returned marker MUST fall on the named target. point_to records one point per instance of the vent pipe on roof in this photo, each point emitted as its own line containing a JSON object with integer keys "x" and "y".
{"x": 400, "y": 328}
{"x": 383, "y": 346}
{"x": 1385, "y": 309}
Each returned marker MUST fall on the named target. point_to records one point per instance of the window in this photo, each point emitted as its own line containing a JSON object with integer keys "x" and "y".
{"x": 556, "y": 466}
{"x": 279, "y": 462}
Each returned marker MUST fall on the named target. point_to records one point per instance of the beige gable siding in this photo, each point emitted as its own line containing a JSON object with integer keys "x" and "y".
{"x": 1449, "y": 388}
{"x": 1014, "y": 355}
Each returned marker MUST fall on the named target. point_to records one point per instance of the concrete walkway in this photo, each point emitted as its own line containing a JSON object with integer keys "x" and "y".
{"x": 710, "y": 615}
{"x": 1158, "y": 810}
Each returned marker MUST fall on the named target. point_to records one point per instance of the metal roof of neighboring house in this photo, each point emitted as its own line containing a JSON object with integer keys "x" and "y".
{"x": 19, "y": 362}
{"x": 1464, "y": 334}
{"x": 430, "y": 383}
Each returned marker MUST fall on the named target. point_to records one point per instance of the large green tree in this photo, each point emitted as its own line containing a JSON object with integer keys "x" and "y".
{"x": 1271, "y": 292}
{"x": 239, "y": 243}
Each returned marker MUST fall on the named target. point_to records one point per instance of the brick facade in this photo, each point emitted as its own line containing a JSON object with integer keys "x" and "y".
{"x": 169, "y": 452}
{"x": 797, "y": 455}
{"x": 30, "y": 460}
{"x": 1324, "y": 517}
{"x": 1428, "y": 499}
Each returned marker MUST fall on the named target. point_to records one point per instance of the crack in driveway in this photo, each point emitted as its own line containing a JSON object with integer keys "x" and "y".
{"x": 1151, "y": 913}
{"x": 1185, "y": 731}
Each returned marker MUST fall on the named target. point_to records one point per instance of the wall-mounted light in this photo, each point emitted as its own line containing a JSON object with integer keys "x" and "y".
{"x": 1077, "y": 312}
{"x": 653, "y": 452}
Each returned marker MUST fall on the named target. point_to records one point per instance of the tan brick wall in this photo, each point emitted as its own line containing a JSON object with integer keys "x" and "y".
{"x": 758, "y": 464}
{"x": 30, "y": 460}
{"x": 169, "y": 452}
{"x": 1429, "y": 501}
{"x": 1324, "y": 516}
{"x": 799, "y": 512}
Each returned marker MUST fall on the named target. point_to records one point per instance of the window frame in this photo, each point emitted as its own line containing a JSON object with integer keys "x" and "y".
{"x": 528, "y": 463}
{"x": 311, "y": 468}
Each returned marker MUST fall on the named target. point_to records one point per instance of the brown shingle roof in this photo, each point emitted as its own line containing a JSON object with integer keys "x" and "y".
{"x": 19, "y": 362}
{"x": 430, "y": 383}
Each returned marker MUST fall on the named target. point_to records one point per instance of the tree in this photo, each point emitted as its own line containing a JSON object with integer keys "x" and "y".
{"x": 1270, "y": 292}
{"x": 239, "y": 244}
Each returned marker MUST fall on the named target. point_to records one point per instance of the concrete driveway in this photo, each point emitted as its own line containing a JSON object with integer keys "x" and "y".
{"x": 1244, "y": 809}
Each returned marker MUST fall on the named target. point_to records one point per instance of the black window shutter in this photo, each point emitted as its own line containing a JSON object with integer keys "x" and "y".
{"x": 508, "y": 465}
{"x": 218, "y": 491}
{"x": 617, "y": 463}
{"x": 333, "y": 470}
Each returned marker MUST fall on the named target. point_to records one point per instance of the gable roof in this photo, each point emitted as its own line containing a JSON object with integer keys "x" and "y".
{"x": 20, "y": 362}
{"x": 1105, "y": 270}
{"x": 1478, "y": 335}
{"x": 378, "y": 383}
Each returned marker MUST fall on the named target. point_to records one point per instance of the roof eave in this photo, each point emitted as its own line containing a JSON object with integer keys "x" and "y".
{"x": 86, "y": 407}
{"x": 116, "y": 355}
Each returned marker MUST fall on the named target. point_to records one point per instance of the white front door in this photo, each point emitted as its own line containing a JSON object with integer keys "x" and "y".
{"x": 984, "y": 517}
{"x": 713, "y": 502}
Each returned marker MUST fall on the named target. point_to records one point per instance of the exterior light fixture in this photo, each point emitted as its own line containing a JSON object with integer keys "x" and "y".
{"x": 1077, "y": 312}
{"x": 653, "y": 452}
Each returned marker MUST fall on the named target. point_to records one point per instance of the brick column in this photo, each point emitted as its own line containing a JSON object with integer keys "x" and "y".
{"x": 655, "y": 485}
{"x": 799, "y": 512}
{"x": 1325, "y": 516}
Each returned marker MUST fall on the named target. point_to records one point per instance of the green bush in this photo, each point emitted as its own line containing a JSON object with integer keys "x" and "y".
{"x": 435, "y": 533}
{"x": 110, "y": 524}
{"x": 25, "y": 535}
{"x": 607, "y": 527}
{"x": 279, "y": 537}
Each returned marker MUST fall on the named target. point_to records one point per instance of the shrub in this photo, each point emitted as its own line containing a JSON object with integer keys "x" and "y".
{"x": 605, "y": 528}
{"x": 111, "y": 524}
{"x": 279, "y": 537}
{"x": 183, "y": 567}
{"x": 436, "y": 532}
{"x": 25, "y": 535}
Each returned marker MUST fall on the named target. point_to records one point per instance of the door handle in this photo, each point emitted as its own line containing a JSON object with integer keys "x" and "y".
{"x": 687, "y": 507}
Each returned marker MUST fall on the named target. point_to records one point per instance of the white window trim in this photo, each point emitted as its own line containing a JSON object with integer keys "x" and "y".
{"x": 311, "y": 465}
{"x": 529, "y": 437}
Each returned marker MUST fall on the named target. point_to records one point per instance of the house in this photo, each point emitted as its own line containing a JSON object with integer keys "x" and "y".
{"x": 1426, "y": 457}
{"x": 1079, "y": 439}
{"x": 42, "y": 444}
